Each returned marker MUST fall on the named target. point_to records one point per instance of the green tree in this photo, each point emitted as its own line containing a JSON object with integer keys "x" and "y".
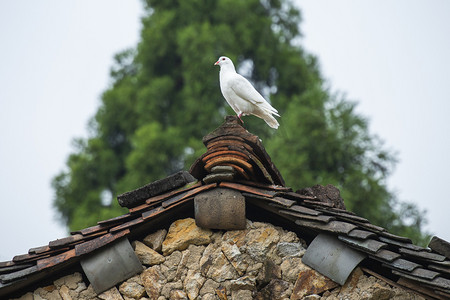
{"x": 165, "y": 97}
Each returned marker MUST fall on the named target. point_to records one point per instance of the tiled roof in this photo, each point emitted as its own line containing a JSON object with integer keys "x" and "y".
{"x": 392, "y": 258}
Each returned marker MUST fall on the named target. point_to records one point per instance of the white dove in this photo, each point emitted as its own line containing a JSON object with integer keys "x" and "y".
{"x": 242, "y": 96}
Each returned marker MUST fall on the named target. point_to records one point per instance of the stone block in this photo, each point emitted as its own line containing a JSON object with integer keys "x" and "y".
{"x": 111, "y": 294}
{"x": 132, "y": 289}
{"x": 155, "y": 239}
{"x": 147, "y": 255}
{"x": 220, "y": 209}
{"x": 153, "y": 281}
{"x": 310, "y": 282}
{"x": 183, "y": 233}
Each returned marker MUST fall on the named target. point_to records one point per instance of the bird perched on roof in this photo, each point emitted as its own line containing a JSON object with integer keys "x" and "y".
{"x": 242, "y": 96}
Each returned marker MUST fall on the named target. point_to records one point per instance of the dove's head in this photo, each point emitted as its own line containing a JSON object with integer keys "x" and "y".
{"x": 223, "y": 61}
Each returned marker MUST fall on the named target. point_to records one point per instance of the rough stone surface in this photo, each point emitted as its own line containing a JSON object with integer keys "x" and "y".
{"x": 133, "y": 288}
{"x": 71, "y": 281}
{"x": 259, "y": 262}
{"x": 291, "y": 267}
{"x": 64, "y": 293}
{"x": 183, "y": 233}
{"x": 311, "y": 282}
{"x": 111, "y": 294}
{"x": 47, "y": 292}
{"x": 155, "y": 239}
{"x": 350, "y": 285}
{"x": 171, "y": 286}
{"x": 276, "y": 289}
{"x": 290, "y": 249}
{"x": 241, "y": 295}
{"x": 147, "y": 255}
{"x": 192, "y": 283}
{"x": 369, "y": 288}
{"x": 178, "y": 295}
{"x": 153, "y": 281}
{"x": 214, "y": 264}
{"x": 209, "y": 287}
{"x": 238, "y": 260}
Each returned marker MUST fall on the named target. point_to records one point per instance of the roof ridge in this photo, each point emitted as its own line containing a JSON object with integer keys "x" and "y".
{"x": 231, "y": 145}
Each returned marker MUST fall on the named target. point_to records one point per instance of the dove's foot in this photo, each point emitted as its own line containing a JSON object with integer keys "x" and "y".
{"x": 239, "y": 116}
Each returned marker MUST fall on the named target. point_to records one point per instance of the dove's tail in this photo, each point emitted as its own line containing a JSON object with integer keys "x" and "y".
{"x": 265, "y": 113}
{"x": 271, "y": 121}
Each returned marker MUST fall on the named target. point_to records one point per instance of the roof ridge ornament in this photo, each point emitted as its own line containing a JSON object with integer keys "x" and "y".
{"x": 231, "y": 145}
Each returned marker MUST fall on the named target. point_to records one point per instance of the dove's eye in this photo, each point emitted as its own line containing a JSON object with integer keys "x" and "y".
{"x": 223, "y": 58}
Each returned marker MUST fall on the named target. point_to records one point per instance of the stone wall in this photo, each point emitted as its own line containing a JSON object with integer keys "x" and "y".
{"x": 260, "y": 262}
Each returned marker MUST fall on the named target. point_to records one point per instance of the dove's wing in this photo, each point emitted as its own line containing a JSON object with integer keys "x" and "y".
{"x": 244, "y": 89}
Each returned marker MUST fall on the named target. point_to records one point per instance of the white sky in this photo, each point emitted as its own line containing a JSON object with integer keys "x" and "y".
{"x": 390, "y": 56}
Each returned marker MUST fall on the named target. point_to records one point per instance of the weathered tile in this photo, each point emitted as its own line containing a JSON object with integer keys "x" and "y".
{"x": 439, "y": 268}
{"x": 386, "y": 255}
{"x": 424, "y": 273}
{"x": 316, "y": 203}
{"x": 277, "y": 200}
{"x": 6, "y": 263}
{"x": 15, "y": 267}
{"x": 403, "y": 264}
{"x": 91, "y": 230}
{"x": 96, "y": 243}
{"x": 422, "y": 254}
{"x": 305, "y": 210}
{"x": 55, "y": 260}
{"x": 333, "y": 226}
{"x": 440, "y": 246}
{"x": 395, "y": 237}
{"x": 128, "y": 224}
{"x": 319, "y": 218}
{"x": 151, "y": 213}
{"x": 219, "y": 177}
{"x": 211, "y": 154}
{"x": 119, "y": 219}
{"x": 188, "y": 194}
{"x": 38, "y": 250}
{"x": 138, "y": 196}
{"x": 248, "y": 189}
{"x": 445, "y": 263}
{"x": 165, "y": 196}
{"x": 260, "y": 168}
{"x": 66, "y": 241}
{"x": 278, "y": 188}
{"x": 296, "y": 196}
{"x": 413, "y": 285}
{"x": 343, "y": 215}
{"x": 401, "y": 244}
{"x": 361, "y": 234}
{"x": 18, "y": 274}
{"x": 440, "y": 282}
{"x": 371, "y": 227}
{"x": 367, "y": 245}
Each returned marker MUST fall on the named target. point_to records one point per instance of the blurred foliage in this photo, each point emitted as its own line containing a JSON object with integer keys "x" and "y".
{"x": 164, "y": 97}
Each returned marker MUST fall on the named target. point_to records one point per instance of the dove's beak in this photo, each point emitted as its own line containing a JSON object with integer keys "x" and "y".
{"x": 217, "y": 62}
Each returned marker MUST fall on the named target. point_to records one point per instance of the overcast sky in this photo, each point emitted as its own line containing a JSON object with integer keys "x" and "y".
{"x": 390, "y": 56}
